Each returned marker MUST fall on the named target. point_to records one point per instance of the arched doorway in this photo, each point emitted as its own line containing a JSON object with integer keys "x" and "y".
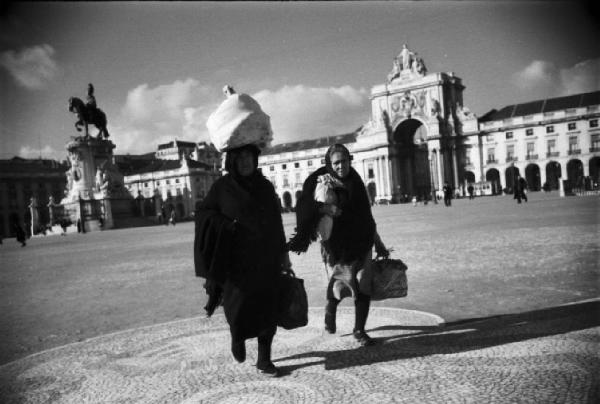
{"x": 469, "y": 177}
{"x": 594, "y": 166}
{"x": 493, "y": 177}
{"x": 574, "y": 174}
{"x": 372, "y": 192}
{"x": 510, "y": 176}
{"x": 180, "y": 210}
{"x": 287, "y": 201}
{"x": 552, "y": 175}
{"x": 532, "y": 176}
{"x": 410, "y": 139}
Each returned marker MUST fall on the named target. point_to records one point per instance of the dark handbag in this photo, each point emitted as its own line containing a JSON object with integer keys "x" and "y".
{"x": 389, "y": 279}
{"x": 293, "y": 302}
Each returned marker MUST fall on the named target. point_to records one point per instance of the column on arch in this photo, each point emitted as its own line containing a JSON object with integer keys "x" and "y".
{"x": 380, "y": 189}
{"x": 440, "y": 172}
{"x": 454, "y": 168}
{"x": 386, "y": 176}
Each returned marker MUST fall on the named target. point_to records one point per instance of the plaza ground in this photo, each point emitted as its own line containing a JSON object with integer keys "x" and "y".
{"x": 483, "y": 257}
{"x": 499, "y": 274}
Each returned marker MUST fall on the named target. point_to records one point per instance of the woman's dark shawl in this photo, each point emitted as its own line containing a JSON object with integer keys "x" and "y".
{"x": 353, "y": 231}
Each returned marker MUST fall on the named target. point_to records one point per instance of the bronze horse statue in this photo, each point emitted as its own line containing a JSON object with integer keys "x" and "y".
{"x": 88, "y": 115}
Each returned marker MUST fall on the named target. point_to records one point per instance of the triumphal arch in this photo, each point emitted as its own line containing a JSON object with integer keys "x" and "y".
{"x": 418, "y": 134}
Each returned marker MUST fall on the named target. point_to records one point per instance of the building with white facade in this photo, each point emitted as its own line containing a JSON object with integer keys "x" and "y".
{"x": 23, "y": 181}
{"x": 544, "y": 141}
{"x": 420, "y": 136}
{"x": 174, "y": 178}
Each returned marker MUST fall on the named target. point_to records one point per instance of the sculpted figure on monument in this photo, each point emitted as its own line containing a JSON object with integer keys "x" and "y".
{"x": 407, "y": 104}
{"x": 396, "y": 68}
{"x": 419, "y": 65}
{"x": 88, "y": 113}
{"x": 435, "y": 107}
{"x": 405, "y": 57}
{"x": 463, "y": 113}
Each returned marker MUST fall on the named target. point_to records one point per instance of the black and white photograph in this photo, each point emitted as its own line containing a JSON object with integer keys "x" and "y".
{"x": 300, "y": 202}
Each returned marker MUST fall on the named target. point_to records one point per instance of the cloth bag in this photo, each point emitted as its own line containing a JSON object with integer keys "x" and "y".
{"x": 389, "y": 279}
{"x": 293, "y": 302}
{"x": 239, "y": 121}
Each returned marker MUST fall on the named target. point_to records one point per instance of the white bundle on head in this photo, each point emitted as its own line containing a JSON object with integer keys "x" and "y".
{"x": 239, "y": 121}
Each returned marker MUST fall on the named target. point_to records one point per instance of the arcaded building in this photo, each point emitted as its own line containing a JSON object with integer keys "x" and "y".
{"x": 174, "y": 178}
{"x": 20, "y": 181}
{"x": 420, "y": 136}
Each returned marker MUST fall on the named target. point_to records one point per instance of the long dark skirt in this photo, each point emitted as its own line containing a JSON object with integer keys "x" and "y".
{"x": 250, "y": 313}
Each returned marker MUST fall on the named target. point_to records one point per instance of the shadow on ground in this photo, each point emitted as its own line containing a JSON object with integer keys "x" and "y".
{"x": 458, "y": 336}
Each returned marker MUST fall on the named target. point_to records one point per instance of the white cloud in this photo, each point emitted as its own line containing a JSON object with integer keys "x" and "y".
{"x": 300, "y": 112}
{"x": 31, "y": 67}
{"x": 156, "y": 115}
{"x": 180, "y": 110}
{"x": 538, "y": 73}
{"x": 583, "y": 77}
{"x": 47, "y": 152}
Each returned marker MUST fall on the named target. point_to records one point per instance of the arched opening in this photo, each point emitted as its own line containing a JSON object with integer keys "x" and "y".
{"x": 287, "y": 201}
{"x": 552, "y": 175}
{"x": 469, "y": 177}
{"x": 510, "y": 177}
{"x": 149, "y": 207}
{"x": 493, "y": 177}
{"x": 410, "y": 140}
{"x": 574, "y": 175}
{"x": 297, "y": 196}
{"x": 180, "y": 210}
{"x": 595, "y": 172}
{"x": 532, "y": 176}
{"x": 372, "y": 192}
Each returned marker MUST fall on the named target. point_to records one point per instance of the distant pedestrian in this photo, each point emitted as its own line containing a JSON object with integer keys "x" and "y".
{"x": 172, "y": 218}
{"x": 63, "y": 225}
{"x": 447, "y": 194}
{"x": 470, "y": 191}
{"x": 523, "y": 188}
{"x": 163, "y": 214}
{"x": 414, "y": 200}
{"x": 21, "y": 236}
{"x": 519, "y": 189}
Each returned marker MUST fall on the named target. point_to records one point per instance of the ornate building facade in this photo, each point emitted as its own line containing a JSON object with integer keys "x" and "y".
{"x": 420, "y": 136}
{"x": 174, "y": 178}
{"x": 20, "y": 181}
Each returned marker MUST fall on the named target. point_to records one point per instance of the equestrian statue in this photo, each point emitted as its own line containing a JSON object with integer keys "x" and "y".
{"x": 88, "y": 113}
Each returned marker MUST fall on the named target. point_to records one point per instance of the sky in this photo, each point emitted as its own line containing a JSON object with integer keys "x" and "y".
{"x": 159, "y": 68}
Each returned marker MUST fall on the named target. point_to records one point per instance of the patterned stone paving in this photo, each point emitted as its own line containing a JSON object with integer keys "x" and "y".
{"x": 551, "y": 358}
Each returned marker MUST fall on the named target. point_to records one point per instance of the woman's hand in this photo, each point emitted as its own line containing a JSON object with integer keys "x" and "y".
{"x": 330, "y": 209}
{"x": 380, "y": 248}
{"x": 286, "y": 264}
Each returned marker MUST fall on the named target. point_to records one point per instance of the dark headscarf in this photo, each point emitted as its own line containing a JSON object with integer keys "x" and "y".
{"x": 230, "y": 157}
{"x": 353, "y": 231}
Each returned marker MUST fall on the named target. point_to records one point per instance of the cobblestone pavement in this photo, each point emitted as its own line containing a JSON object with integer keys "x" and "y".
{"x": 546, "y": 356}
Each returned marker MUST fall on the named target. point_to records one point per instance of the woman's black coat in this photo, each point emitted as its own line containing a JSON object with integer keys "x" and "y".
{"x": 250, "y": 289}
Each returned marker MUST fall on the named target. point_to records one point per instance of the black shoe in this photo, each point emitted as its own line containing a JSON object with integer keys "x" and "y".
{"x": 267, "y": 369}
{"x": 363, "y": 338}
{"x": 330, "y": 322}
{"x": 238, "y": 349}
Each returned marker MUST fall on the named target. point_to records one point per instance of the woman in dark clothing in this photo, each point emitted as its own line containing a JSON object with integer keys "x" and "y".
{"x": 347, "y": 253}
{"x": 248, "y": 278}
{"x": 21, "y": 235}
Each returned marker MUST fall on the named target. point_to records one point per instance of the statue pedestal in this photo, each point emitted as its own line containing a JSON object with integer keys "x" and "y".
{"x": 94, "y": 184}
